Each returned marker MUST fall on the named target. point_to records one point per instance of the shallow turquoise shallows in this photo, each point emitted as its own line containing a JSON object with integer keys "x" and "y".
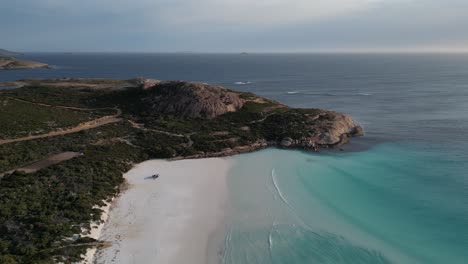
{"x": 402, "y": 199}
{"x": 388, "y": 204}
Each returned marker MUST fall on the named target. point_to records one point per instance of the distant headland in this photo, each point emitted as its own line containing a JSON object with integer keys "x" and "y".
{"x": 4, "y": 52}
{"x": 9, "y": 63}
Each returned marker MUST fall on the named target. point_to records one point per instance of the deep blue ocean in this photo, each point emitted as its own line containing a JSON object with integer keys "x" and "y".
{"x": 397, "y": 195}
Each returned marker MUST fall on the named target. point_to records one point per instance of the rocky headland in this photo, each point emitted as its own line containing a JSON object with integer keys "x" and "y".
{"x": 9, "y": 63}
{"x": 114, "y": 124}
{"x": 216, "y": 121}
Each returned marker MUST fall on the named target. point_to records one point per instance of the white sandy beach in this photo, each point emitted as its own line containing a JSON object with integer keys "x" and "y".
{"x": 177, "y": 218}
{"x": 95, "y": 232}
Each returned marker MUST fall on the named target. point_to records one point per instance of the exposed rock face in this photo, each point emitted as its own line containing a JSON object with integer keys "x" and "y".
{"x": 146, "y": 83}
{"x": 327, "y": 129}
{"x": 335, "y": 128}
{"x": 12, "y": 64}
{"x": 192, "y": 99}
{"x": 286, "y": 142}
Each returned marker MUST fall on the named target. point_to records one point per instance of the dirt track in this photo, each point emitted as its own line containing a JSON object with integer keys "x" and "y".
{"x": 51, "y": 160}
{"x": 83, "y": 126}
{"x": 64, "y": 107}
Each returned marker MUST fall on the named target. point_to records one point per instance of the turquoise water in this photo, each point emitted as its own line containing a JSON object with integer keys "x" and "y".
{"x": 403, "y": 198}
{"x": 389, "y": 204}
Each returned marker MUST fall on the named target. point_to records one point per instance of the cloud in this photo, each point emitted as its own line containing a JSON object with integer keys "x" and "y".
{"x": 259, "y": 13}
{"x": 230, "y": 25}
{"x": 252, "y": 13}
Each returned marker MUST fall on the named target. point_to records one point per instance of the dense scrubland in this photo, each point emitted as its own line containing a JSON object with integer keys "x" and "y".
{"x": 41, "y": 211}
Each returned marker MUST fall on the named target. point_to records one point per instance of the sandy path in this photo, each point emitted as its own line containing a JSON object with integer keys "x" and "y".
{"x": 175, "y": 219}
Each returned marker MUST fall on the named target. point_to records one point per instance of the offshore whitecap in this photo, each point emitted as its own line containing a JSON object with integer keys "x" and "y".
{"x": 375, "y": 206}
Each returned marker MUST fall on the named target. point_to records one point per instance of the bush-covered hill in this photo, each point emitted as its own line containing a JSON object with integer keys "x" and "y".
{"x": 40, "y": 211}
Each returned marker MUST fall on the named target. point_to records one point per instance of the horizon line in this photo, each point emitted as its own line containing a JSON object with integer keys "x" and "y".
{"x": 435, "y": 51}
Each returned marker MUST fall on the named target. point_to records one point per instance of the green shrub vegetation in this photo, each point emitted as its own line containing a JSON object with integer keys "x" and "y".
{"x": 21, "y": 118}
{"x": 41, "y": 210}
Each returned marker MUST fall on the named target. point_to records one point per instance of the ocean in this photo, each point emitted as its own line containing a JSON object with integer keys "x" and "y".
{"x": 397, "y": 195}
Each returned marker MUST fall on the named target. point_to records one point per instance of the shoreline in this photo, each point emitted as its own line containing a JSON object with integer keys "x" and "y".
{"x": 177, "y": 218}
{"x": 96, "y": 231}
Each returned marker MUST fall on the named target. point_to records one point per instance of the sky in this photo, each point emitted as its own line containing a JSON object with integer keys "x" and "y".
{"x": 234, "y": 25}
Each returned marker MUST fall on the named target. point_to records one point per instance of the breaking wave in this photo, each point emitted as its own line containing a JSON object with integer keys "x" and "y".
{"x": 278, "y": 190}
{"x": 242, "y": 83}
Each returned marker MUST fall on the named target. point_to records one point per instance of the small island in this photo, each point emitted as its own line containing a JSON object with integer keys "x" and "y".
{"x": 101, "y": 128}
